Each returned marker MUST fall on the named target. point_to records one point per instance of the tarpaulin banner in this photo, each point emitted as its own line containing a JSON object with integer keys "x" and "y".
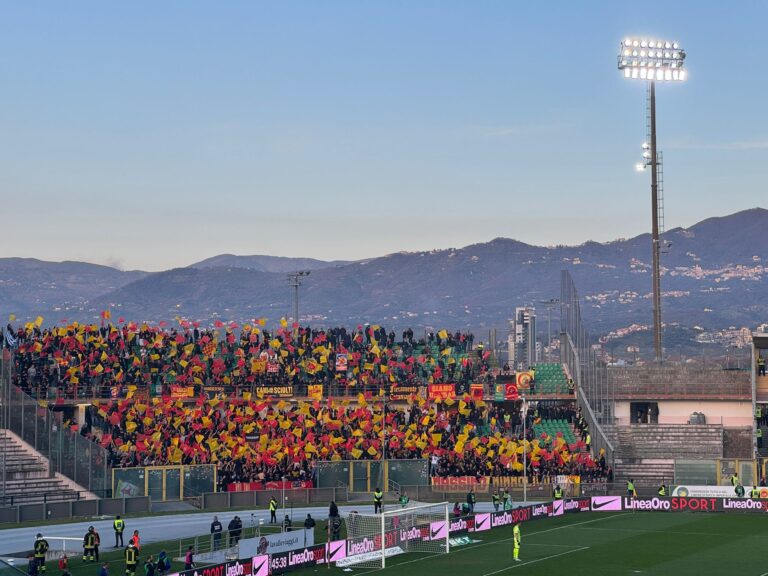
{"x": 405, "y": 392}
{"x": 278, "y": 391}
{"x": 460, "y": 483}
{"x": 442, "y": 391}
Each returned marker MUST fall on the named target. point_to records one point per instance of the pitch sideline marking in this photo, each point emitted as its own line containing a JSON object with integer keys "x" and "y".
{"x": 537, "y": 560}
{"x": 431, "y": 557}
{"x": 635, "y": 530}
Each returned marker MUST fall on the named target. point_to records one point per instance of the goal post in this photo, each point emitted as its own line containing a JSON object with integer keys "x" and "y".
{"x": 417, "y": 528}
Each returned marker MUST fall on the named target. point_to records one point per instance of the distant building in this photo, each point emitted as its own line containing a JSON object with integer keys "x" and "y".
{"x": 524, "y": 350}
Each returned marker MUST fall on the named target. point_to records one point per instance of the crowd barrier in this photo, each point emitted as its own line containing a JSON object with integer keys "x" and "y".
{"x": 75, "y": 509}
{"x": 341, "y": 550}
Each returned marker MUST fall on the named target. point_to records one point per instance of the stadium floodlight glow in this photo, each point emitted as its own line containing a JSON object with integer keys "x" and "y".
{"x": 651, "y": 54}
{"x": 653, "y": 60}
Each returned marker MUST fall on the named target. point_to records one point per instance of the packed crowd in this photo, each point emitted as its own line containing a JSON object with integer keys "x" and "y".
{"x": 252, "y": 439}
{"x": 112, "y": 360}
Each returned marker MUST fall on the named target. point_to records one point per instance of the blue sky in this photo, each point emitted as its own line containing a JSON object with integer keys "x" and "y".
{"x": 155, "y": 134}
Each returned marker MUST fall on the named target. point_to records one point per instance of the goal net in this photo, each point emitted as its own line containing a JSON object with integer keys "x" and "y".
{"x": 372, "y": 538}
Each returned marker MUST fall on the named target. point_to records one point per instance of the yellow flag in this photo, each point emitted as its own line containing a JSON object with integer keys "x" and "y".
{"x": 443, "y": 334}
{"x": 39, "y": 321}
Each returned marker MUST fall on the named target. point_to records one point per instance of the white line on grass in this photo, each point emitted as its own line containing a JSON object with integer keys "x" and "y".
{"x": 552, "y": 545}
{"x": 432, "y": 556}
{"x": 537, "y": 560}
{"x": 662, "y": 532}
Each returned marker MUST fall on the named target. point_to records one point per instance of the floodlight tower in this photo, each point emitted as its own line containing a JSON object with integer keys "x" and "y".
{"x": 294, "y": 280}
{"x": 653, "y": 61}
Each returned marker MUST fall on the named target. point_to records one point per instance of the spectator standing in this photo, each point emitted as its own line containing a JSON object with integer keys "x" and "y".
{"x": 309, "y": 523}
{"x": 216, "y": 530}
{"x": 333, "y": 510}
{"x": 136, "y": 541}
{"x": 189, "y": 559}
{"x": 238, "y": 529}
{"x": 471, "y": 499}
{"x": 496, "y": 500}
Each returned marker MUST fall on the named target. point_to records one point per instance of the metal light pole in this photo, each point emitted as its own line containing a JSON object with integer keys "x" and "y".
{"x": 294, "y": 280}
{"x": 653, "y": 61}
{"x": 525, "y": 456}
{"x": 549, "y": 304}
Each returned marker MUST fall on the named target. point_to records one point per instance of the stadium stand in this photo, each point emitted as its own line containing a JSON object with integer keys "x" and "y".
{"x": 27, "y": 478}
{"x": 550, "y": 379}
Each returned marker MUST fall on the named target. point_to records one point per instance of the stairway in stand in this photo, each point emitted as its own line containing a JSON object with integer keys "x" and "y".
{"x": 26, "y": 475}
{"x": 646, "y": 453}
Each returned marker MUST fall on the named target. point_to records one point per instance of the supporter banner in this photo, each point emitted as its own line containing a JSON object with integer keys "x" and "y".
{"x": 244, "y": 486}
{"x": 289, "y": 485}
{"x": 279, "y": 485}
{"x": 315, "y": 391}
{"x": 212, "y": 391}
{"x": 273, "y": 367}
{"x": 405, "y": 392}
{"x": 461, "y": 483}
{"x": 441, "y": 391}
{"x": 711, "y": 491}
{"x": 476, "y": 391}
{"x": 274, "y": 543}
{"x": 502, "y": 392}
{"x": 182, "y": 391}
{"x": 278, "y": 391}
{"x": 342, "y": 363}
{"x": 524, "y": 379}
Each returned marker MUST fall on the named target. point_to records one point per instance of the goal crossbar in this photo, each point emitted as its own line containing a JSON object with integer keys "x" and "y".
{"x": 422, "y": 528}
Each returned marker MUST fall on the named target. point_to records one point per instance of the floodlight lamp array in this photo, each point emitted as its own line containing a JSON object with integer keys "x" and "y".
{"x": 644, "y": 59}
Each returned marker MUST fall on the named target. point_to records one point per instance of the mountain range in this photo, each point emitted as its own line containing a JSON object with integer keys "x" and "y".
{"x": 714, "y": 277}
